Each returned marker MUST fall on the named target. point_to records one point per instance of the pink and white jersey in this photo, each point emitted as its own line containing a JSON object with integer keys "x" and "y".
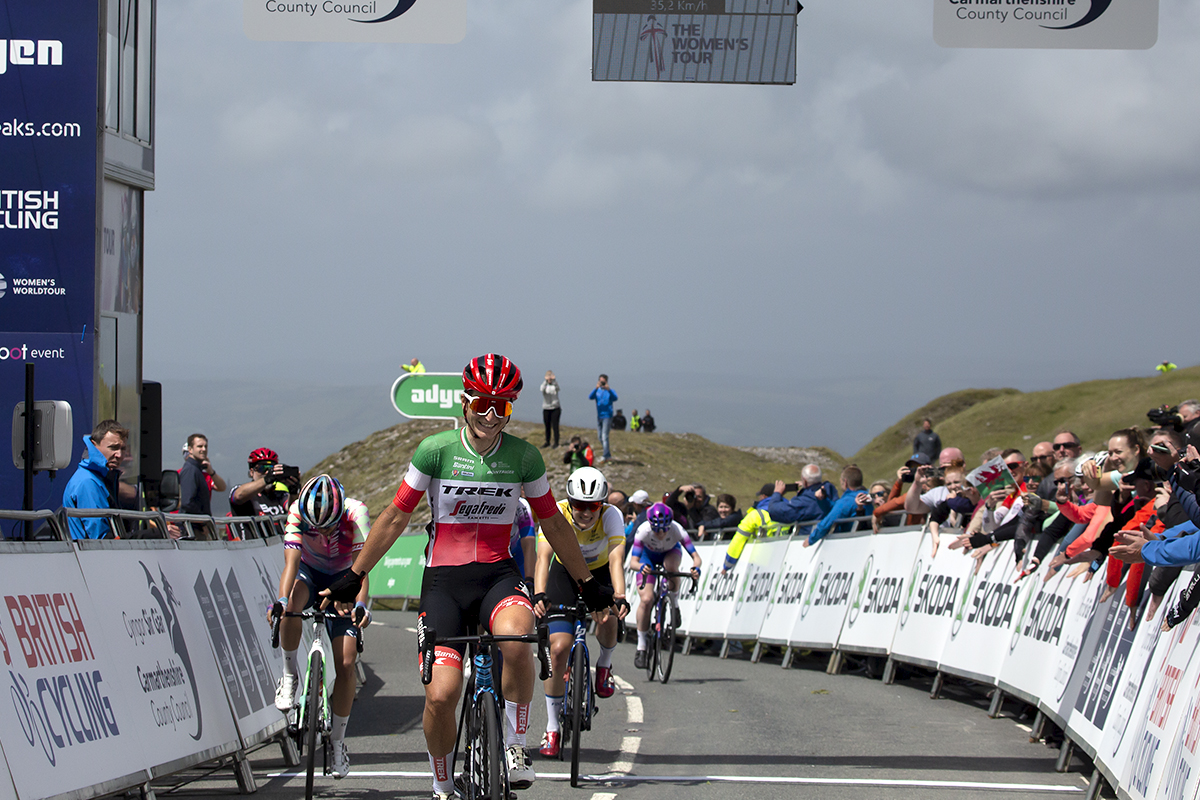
{"x": 328, "y": 551}
{"x": 646, "y": 538}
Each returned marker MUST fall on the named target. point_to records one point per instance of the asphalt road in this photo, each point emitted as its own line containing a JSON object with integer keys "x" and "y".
{"x": 719, "y": 729}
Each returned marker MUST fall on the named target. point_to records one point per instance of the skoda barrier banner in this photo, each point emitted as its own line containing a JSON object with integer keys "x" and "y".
{"x": 1146, "y": 770}
{"x": 983, "y": 615}
{"x": 155, "y": 630}
{"x": 48, "y": 217}
{"x": 879, "y": 593}
{"x": 706, "y": 612}
{"x": 827, "y": 595}
{"x": 66, "y": 715}
{"x": 763, "y": 571}
{"x": 1036, "y": 634}
{"x": 781, "y": 613}
{"x": 937, "y": 584}
{"x": 1052, "y": 24}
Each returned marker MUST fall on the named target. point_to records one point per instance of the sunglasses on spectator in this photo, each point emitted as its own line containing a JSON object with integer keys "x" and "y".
{"x": 1047, "y": 455}
{"x": 1014, "y": 464}
{"x": 1061, "y": 481}
{"x": 1065, "y": 445}
{"x": 879, "y": 494}
{"x": 585, "y": 505}
{"x": 264, "y": 466}
{"x": 482, "y": 405}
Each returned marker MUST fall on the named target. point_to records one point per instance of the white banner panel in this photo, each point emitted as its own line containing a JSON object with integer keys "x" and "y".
{"x": 1181, "y": 772}
{"x": 7, "y": 791}
{"x": 979, "y": 631}
{"x": 1055, "y": 24}
{"x": 155, "y": 630}
{"x": 835, "y": 569}
{"x": 68, "y": 723}
{"x": 429, "y": 21}
{"x": 1157, "y": 715}
{"x": 764, "y": 562}
{"x": 934, "y": 587}
{"x": 712, "y": 606}
{"x": 1036, "y": 636}
{"x": 712, "y": 556}
{"x": 1057, "y": 698}
{"x": 1119, "y": 651}
{"x": 781, "y": 612}
{"x": 882, "y": 585}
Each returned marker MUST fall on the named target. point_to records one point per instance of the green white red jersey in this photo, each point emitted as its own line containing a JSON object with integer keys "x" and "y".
{"x": 474, "y": 497}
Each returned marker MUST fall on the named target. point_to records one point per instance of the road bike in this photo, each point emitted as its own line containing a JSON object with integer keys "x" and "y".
{"x": 312, "y": 719}
{"x": 660, "y": 656}
{"x": 481, "y": 721}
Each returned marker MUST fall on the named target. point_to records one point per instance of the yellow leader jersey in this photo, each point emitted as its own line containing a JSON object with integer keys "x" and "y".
{"x": 608, "y": 530}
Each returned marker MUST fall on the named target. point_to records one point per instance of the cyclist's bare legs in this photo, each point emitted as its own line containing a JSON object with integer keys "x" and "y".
{"x": 518, "y": 675}
{"x": 290, "y": 627}
{"x": 345, "y": 653}
{"x": 671, "y": 564}
{"x": 441, "y": 700}
{"x": 560, "y": 647}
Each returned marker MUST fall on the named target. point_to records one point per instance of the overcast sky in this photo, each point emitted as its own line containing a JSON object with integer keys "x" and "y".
{"x": 786, "y": 265}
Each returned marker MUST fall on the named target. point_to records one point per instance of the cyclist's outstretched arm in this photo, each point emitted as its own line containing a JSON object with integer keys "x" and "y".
{"x": 387, "y": 529}
{"x": 561, "y": 536}
{"x": 541, "y": 571}
{"x": 291, "y": 565}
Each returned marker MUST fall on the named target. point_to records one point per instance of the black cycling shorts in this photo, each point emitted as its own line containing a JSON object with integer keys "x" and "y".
{"x": 456, "y": 600}
{"x": 562, "y": 590}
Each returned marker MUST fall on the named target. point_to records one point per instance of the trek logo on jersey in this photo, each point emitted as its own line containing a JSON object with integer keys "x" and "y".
{"x": 482, "y": 491}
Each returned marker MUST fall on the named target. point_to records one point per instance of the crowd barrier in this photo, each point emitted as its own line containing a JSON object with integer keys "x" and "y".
{"x": 1125, "y": 693}
{"x": 131, "y": 660}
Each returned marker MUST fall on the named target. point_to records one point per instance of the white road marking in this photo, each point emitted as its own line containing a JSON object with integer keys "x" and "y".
{"x": 604, "y": 796}
{"x": 1025, "y": 728}
{"x": 634, "y": 716}
{"x": 781, "y": 779}
{"x": 411, "y": 630}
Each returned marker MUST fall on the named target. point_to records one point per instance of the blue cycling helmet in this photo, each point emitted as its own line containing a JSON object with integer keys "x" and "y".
{"x": 322, "y": 502}
{"x": 660, "y": 517}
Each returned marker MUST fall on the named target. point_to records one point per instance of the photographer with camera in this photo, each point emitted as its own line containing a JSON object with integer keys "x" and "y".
{"x": 579, "y": 454}
{"x": 814, "y": 498}
{"x": 604, "y": 397}
{"x": 271, "y": 489}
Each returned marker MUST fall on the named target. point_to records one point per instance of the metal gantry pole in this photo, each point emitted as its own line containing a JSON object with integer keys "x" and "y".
{"x": 28, "y": 504}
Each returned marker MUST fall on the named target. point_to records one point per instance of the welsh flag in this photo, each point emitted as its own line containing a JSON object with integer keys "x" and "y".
{"x": 992, "y": 476}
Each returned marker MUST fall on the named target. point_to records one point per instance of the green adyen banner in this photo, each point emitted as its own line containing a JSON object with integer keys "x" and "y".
{"x": 428, "y": 395}
{"x": 399, "y": 573}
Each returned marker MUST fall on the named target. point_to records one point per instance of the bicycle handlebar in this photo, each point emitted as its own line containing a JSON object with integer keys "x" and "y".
{"x": 660, "y": 572}
{"x": 428, "y": 640}
{"x": 317, "y": 615}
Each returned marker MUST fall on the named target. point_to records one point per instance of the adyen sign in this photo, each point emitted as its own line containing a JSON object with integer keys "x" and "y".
{"x": 428, "y": 395}
{"x": 1051, "y": 24}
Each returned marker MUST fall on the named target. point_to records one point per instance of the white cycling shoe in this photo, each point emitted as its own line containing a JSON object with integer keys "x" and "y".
{"x": 520, "y": 768}
{"x": 285, "y": 692}
{"x": 341, "y": 760}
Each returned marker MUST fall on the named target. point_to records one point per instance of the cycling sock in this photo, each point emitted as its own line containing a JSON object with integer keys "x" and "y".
{"x": 339, "y": 728}
{"x": 518, "y": 722}
{"x": 443, "y": 781}
{"x": 605, "y": 659}
{"x": 554, "y": 707}
{"x": 674, "y": 598}
{"x": 291, "y": 661}
{"x": 643, "y": 640}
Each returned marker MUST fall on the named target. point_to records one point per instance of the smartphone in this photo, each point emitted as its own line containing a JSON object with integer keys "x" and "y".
{"x": 791, "y": 487}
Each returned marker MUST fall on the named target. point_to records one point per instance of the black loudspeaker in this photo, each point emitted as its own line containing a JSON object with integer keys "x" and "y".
{"x": 150, "y": 459}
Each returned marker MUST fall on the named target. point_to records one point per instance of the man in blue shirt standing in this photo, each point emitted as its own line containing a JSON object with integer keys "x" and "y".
{"x": 95, "y": 482}
{"x": 604, "y": 398}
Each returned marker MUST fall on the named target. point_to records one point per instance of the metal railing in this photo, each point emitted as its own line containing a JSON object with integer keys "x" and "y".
{"x": 124, "y": 524}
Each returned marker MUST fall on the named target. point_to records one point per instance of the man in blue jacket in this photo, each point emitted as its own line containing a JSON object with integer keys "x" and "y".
{"x": 812, "y": 502}
{"x": 94, "y": 484}
{"x": 604, "y": 398}
{"x": 848, "y": 505}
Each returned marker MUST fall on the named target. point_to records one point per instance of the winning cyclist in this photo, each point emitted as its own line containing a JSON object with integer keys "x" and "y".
{"x": 600, "y": 530}
{"x": 323, "y": 532}
{"x": 472, "y": 479}
{"x": 659, "y": 541}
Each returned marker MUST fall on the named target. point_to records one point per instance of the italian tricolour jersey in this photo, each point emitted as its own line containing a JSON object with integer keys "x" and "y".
{"x": 474, "y": 496}
{"x": 607, "y": 531}
{"x": 331, "y": 551}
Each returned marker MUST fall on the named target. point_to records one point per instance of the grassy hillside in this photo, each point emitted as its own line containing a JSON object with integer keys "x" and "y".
{"x": 371, "y": 469}
{"x": 976, "y": 419}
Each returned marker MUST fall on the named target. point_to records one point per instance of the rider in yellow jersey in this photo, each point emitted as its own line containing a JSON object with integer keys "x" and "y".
{"x": 600, "y": 530}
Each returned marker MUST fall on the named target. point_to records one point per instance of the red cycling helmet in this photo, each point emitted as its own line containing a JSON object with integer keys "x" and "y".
{"x": 493, "y": 375}
{"x": 263, "y": 454}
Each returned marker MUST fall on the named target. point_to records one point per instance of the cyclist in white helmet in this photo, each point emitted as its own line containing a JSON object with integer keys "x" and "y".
{"x": 324, "y": 531}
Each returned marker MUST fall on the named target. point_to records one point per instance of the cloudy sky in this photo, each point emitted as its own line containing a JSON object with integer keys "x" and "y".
{"x": 787, "y": 265}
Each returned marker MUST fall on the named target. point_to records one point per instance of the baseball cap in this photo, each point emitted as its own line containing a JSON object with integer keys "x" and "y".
{"x": 767, "y": 489}
{"x": 920, "y": 459}
{"x": 640, "y": 497}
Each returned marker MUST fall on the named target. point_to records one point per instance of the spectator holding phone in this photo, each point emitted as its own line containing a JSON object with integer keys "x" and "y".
{"x": 604, "y": 398}
{"x": 814, "y": 498}
{"x": 270, "y": 490}
{"x": 198, "y": 479}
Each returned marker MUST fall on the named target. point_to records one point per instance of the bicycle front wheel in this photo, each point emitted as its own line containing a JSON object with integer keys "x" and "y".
{"x": 312, "y": 718}
{"x": 488, "y": 777}
{"x": 666, "y": 637}
{"x": 652, "y": 653}
{"x": 579, "y": 679}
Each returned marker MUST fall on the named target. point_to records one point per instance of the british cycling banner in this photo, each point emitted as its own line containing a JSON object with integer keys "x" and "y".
{"x": 835, "y": 568}
{"x": 780, "y": 615}
{"x": 155, "y": 629}
{"x": 983, "y": 615}
{"x": 879, "y": 593}
{"x": 935, "y": 585}
{"x": 69, "y": 722}
{"x": 7, "y": 792}
{"x": 1036, "y": 634}
{"x": 763, "y": 560}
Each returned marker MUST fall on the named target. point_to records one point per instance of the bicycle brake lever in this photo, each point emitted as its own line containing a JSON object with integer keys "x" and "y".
{"x": 543, "y": 647}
